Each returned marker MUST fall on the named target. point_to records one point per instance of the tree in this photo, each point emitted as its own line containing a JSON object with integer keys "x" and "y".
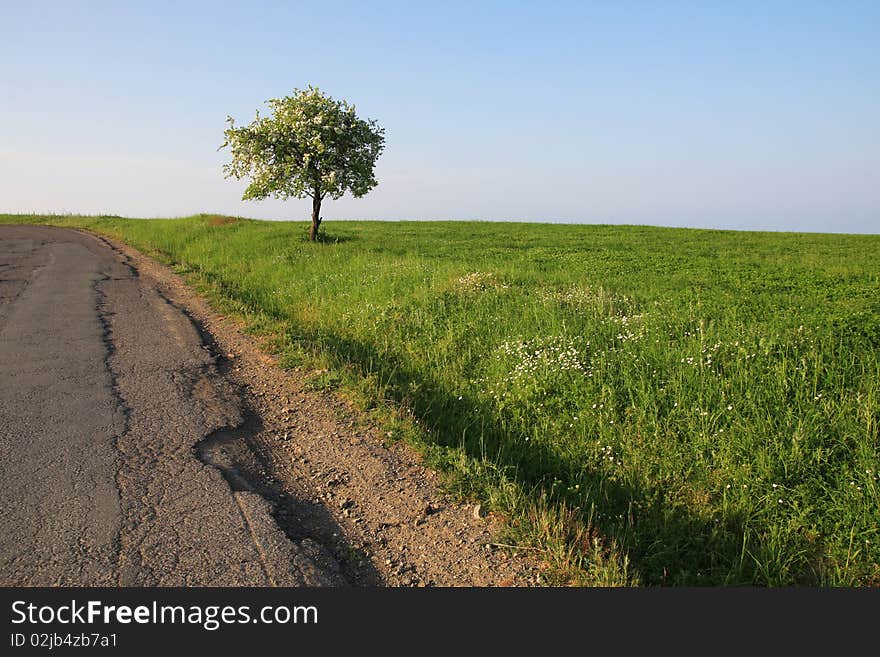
{"x": 311, "y": 146}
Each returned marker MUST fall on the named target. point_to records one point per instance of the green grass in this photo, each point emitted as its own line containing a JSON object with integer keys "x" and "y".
{"x": 646, "y": 405}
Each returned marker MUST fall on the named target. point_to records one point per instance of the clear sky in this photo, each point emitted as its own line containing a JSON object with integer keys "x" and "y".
{"x": 753, "y": 115}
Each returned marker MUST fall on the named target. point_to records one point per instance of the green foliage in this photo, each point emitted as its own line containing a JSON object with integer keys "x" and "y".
{"x": 666, "y": 406}
{"x": 310, "y": 145}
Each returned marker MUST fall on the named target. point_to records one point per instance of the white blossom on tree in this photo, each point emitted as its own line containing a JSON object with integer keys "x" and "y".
{"x": 310, "y": 146}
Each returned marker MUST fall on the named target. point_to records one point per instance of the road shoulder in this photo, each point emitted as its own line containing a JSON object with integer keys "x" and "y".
{"x": 329, "y": 476}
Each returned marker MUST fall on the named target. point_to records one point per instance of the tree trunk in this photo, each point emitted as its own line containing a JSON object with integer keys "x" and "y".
{"x": 316, "y": 217}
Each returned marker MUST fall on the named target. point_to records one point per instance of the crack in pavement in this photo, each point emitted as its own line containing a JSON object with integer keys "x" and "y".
{"x": 101, "y": 313}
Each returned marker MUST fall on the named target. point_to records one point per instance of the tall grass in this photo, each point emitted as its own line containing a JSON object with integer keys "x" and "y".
{"x": 668, "y": 406}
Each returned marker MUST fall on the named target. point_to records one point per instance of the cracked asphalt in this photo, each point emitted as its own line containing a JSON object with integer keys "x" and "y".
{"x": 106, "y": 391}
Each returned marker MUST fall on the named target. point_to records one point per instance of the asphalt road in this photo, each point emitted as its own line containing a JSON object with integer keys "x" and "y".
{"x": 106, "y": 392}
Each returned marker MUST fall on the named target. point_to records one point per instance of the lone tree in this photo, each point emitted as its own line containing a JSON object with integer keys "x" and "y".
{"x": 311, "y": 145}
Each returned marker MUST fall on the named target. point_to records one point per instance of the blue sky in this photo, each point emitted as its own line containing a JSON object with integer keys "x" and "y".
{"x": 761, "y": 115}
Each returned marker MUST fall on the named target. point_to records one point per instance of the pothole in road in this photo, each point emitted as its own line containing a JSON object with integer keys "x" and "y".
{"x": 241, "y": 460}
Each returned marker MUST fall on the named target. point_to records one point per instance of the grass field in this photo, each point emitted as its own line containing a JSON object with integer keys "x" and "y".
{"x": 647, "y": 405}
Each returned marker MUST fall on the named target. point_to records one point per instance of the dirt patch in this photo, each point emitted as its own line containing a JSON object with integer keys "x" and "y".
{"x": 332, "y": 478}
{"x": 221, "y": 220}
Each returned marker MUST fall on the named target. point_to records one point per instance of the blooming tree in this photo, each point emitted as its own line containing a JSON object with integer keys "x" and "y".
{"x": 310, "y": 146}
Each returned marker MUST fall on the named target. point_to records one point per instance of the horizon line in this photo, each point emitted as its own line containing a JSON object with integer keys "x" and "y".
{"x": 546, "y": 222}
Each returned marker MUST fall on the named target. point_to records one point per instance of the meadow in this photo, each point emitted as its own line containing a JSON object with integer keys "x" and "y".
{"x": 648, "y": 406}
